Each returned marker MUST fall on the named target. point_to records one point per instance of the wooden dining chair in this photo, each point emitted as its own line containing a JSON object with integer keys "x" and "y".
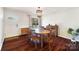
{"x": 48, "y": 42}
{"x": 35, "y": 39}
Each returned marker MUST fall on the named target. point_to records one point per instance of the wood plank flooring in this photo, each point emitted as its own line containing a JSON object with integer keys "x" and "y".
{"x": 22, "y": 43}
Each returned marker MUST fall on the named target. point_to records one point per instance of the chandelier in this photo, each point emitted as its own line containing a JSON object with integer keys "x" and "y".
{"x": 39, "y": 12}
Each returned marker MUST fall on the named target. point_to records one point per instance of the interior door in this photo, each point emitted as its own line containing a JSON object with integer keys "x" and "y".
{"x": 11, "y": 27}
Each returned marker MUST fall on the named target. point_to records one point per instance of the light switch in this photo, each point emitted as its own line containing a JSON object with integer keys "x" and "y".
{"x": 16, "y": 25}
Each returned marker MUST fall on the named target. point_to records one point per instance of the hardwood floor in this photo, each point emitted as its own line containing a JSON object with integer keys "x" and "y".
{"x": 22, "y": 43}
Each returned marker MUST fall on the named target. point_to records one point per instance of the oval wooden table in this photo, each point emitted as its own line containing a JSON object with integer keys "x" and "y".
{"x": 42, "y": 33}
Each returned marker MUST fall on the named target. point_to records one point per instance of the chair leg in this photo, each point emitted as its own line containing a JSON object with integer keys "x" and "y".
{"x": 50, "y": 47}
{"x": 35, "y": 45}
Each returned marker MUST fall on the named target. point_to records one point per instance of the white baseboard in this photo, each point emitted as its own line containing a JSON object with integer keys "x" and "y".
{"x": 64, "y": 37}
{"x": 0, "y": 48}
{"x": 0, "y": 45}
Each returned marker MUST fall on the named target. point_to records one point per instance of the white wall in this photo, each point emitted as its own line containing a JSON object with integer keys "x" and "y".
{"x": 65, "y": 20}
{"x": 1, "y": 30}
{"x": 19, "y": 20}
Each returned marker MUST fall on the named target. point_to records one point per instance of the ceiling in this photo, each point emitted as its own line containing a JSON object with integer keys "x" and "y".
{"x": 46, "y": 10}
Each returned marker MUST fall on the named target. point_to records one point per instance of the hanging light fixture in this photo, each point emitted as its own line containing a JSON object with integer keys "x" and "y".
{"x": 39, "y": 12}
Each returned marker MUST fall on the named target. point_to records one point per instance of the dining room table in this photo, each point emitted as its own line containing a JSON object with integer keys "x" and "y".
{"x": 42, "y": 35}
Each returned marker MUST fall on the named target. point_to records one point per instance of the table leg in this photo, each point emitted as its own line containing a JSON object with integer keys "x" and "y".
{"x": 41, "y": 41}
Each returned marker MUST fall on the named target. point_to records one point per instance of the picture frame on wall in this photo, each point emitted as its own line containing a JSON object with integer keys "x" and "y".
{"x": 35, "y": 22}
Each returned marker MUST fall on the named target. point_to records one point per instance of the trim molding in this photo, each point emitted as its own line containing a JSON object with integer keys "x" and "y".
{"x": 15, "y": 36}
{"x": 64, "y": 37}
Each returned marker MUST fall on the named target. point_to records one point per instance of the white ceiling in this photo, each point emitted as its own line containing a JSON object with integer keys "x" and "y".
{"x": 46, "y": 10}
